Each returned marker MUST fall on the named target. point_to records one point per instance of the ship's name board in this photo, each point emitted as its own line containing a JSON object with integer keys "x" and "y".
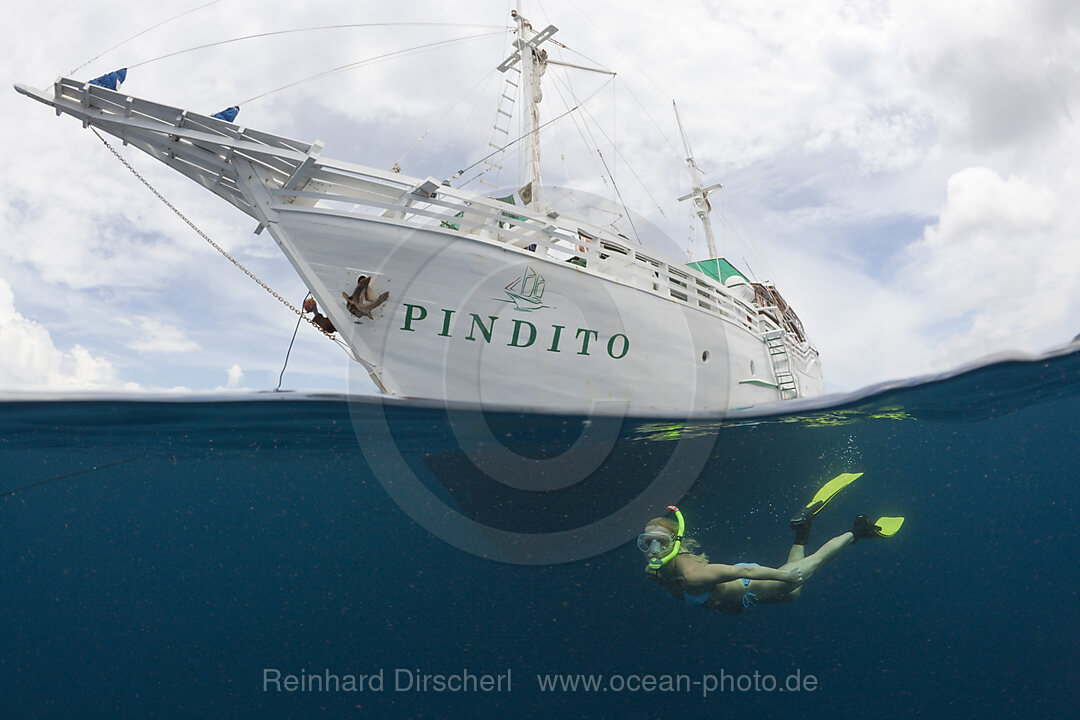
{"x": 518, "y": 333}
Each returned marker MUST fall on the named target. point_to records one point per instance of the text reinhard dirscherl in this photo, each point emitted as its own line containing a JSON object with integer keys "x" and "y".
{"x": 398, "y": 680}
{"x": 415, "y": 680}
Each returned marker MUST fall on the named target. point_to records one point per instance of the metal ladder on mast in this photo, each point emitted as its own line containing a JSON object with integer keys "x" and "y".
{"x": 786, "y": 384}
{"x": 500, "y": 134}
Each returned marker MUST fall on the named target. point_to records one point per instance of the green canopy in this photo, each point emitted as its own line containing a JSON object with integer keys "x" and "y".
{"x": 718, "y": 269}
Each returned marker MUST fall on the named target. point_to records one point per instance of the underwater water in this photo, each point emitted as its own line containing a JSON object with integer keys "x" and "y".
{"x": 184, "y": 559}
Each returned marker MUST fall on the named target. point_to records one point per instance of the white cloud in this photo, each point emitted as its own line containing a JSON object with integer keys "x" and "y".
{"x": 32, "y": 362}
{"x": 236, "y": 376}
{"x": 997, "y": 72}
{"x": 154, "y": 336}
{"x": 1004, "y": 258}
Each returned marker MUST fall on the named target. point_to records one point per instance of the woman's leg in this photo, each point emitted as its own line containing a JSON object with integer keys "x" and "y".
{"x": 797, "y": 553}
{"x": 810, "y": 565}
{"x": 773, "y": 591}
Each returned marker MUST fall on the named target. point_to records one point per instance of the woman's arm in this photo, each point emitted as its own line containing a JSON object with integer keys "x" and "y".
{"x": 696, "y": 573}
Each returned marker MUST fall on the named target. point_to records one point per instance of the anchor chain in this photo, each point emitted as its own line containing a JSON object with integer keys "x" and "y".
{"x": 207, "y": 238}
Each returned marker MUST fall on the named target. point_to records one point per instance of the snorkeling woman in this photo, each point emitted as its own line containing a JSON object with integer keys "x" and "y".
{"x": 689, "y": 576}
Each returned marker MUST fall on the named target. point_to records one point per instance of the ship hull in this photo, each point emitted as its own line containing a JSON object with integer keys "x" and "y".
{"x": 451, "y": 329}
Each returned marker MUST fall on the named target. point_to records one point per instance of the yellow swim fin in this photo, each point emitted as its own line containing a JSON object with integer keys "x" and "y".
{"x": 888, "y": 526}
{"x": 801, "y": 522}
{"x": 883, "y": 527}
{"x": 829, "y": 490}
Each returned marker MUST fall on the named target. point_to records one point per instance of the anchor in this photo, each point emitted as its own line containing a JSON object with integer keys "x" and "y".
{"x": 360, "y": 304}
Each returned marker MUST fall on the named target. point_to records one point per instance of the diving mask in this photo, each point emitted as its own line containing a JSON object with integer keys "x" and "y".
{"x": 655, "y": 542}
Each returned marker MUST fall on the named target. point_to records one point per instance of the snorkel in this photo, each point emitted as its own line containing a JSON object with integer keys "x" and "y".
{"x": 656, "y": 563}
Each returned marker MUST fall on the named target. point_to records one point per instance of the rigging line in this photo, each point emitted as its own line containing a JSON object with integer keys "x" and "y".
{"x": 556, "y": 82}
{"x": 639, "y": 69}
{"x": 486, "y": 81}
{"x": 163, "y": 22}
{"x": 200, "y": 233}
{"x": 367, "y": 61}
{"x": 626, "y": 162}
{"x": 519, "y": 139}
{"x": 581, "y": 55}
{"x": 615, "y": 147}
{"x": 614, "y": 184}
{"x": 611, "y": 174}
{"x": 553, "y": 41}
{"x": 599, "y": 65}
{"x": 663, "y": 134}
{"x": 629, "y": 217}
{"x": 583, "y": 130}
{"x": 510, "y": 144}
{"x": 607, "y": 169}
{"x": 743, "y": 235}
{"x": 485, "y": 77}
{"x": 46, "y": 481}
{"x": 591, "y": 145}
{"x": 271, "y": 33}
{"x": 288, "y": 352}
{"x": 618, "y": 47}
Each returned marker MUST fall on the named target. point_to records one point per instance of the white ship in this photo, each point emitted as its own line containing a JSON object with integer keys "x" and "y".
{"x": 441, "y": 293}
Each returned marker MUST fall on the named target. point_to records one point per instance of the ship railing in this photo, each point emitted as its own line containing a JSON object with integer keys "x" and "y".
{"x": 766, "y": 324}
{"x": 202, "y": 148}
{"x": 593, "y": 250}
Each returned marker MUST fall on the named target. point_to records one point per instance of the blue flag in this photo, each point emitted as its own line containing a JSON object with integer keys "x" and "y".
{"x": 228, "y": 114}
{"x": 111, "y": 80}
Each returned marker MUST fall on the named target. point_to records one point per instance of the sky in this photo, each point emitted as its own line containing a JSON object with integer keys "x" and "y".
{"x": 905, "y": 172}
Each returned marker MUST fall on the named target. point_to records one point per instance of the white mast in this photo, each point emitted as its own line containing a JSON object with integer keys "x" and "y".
{"x": 699, "y": 193}
{"x": 531, "y": 69}
{"x": 533, "y": 63}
